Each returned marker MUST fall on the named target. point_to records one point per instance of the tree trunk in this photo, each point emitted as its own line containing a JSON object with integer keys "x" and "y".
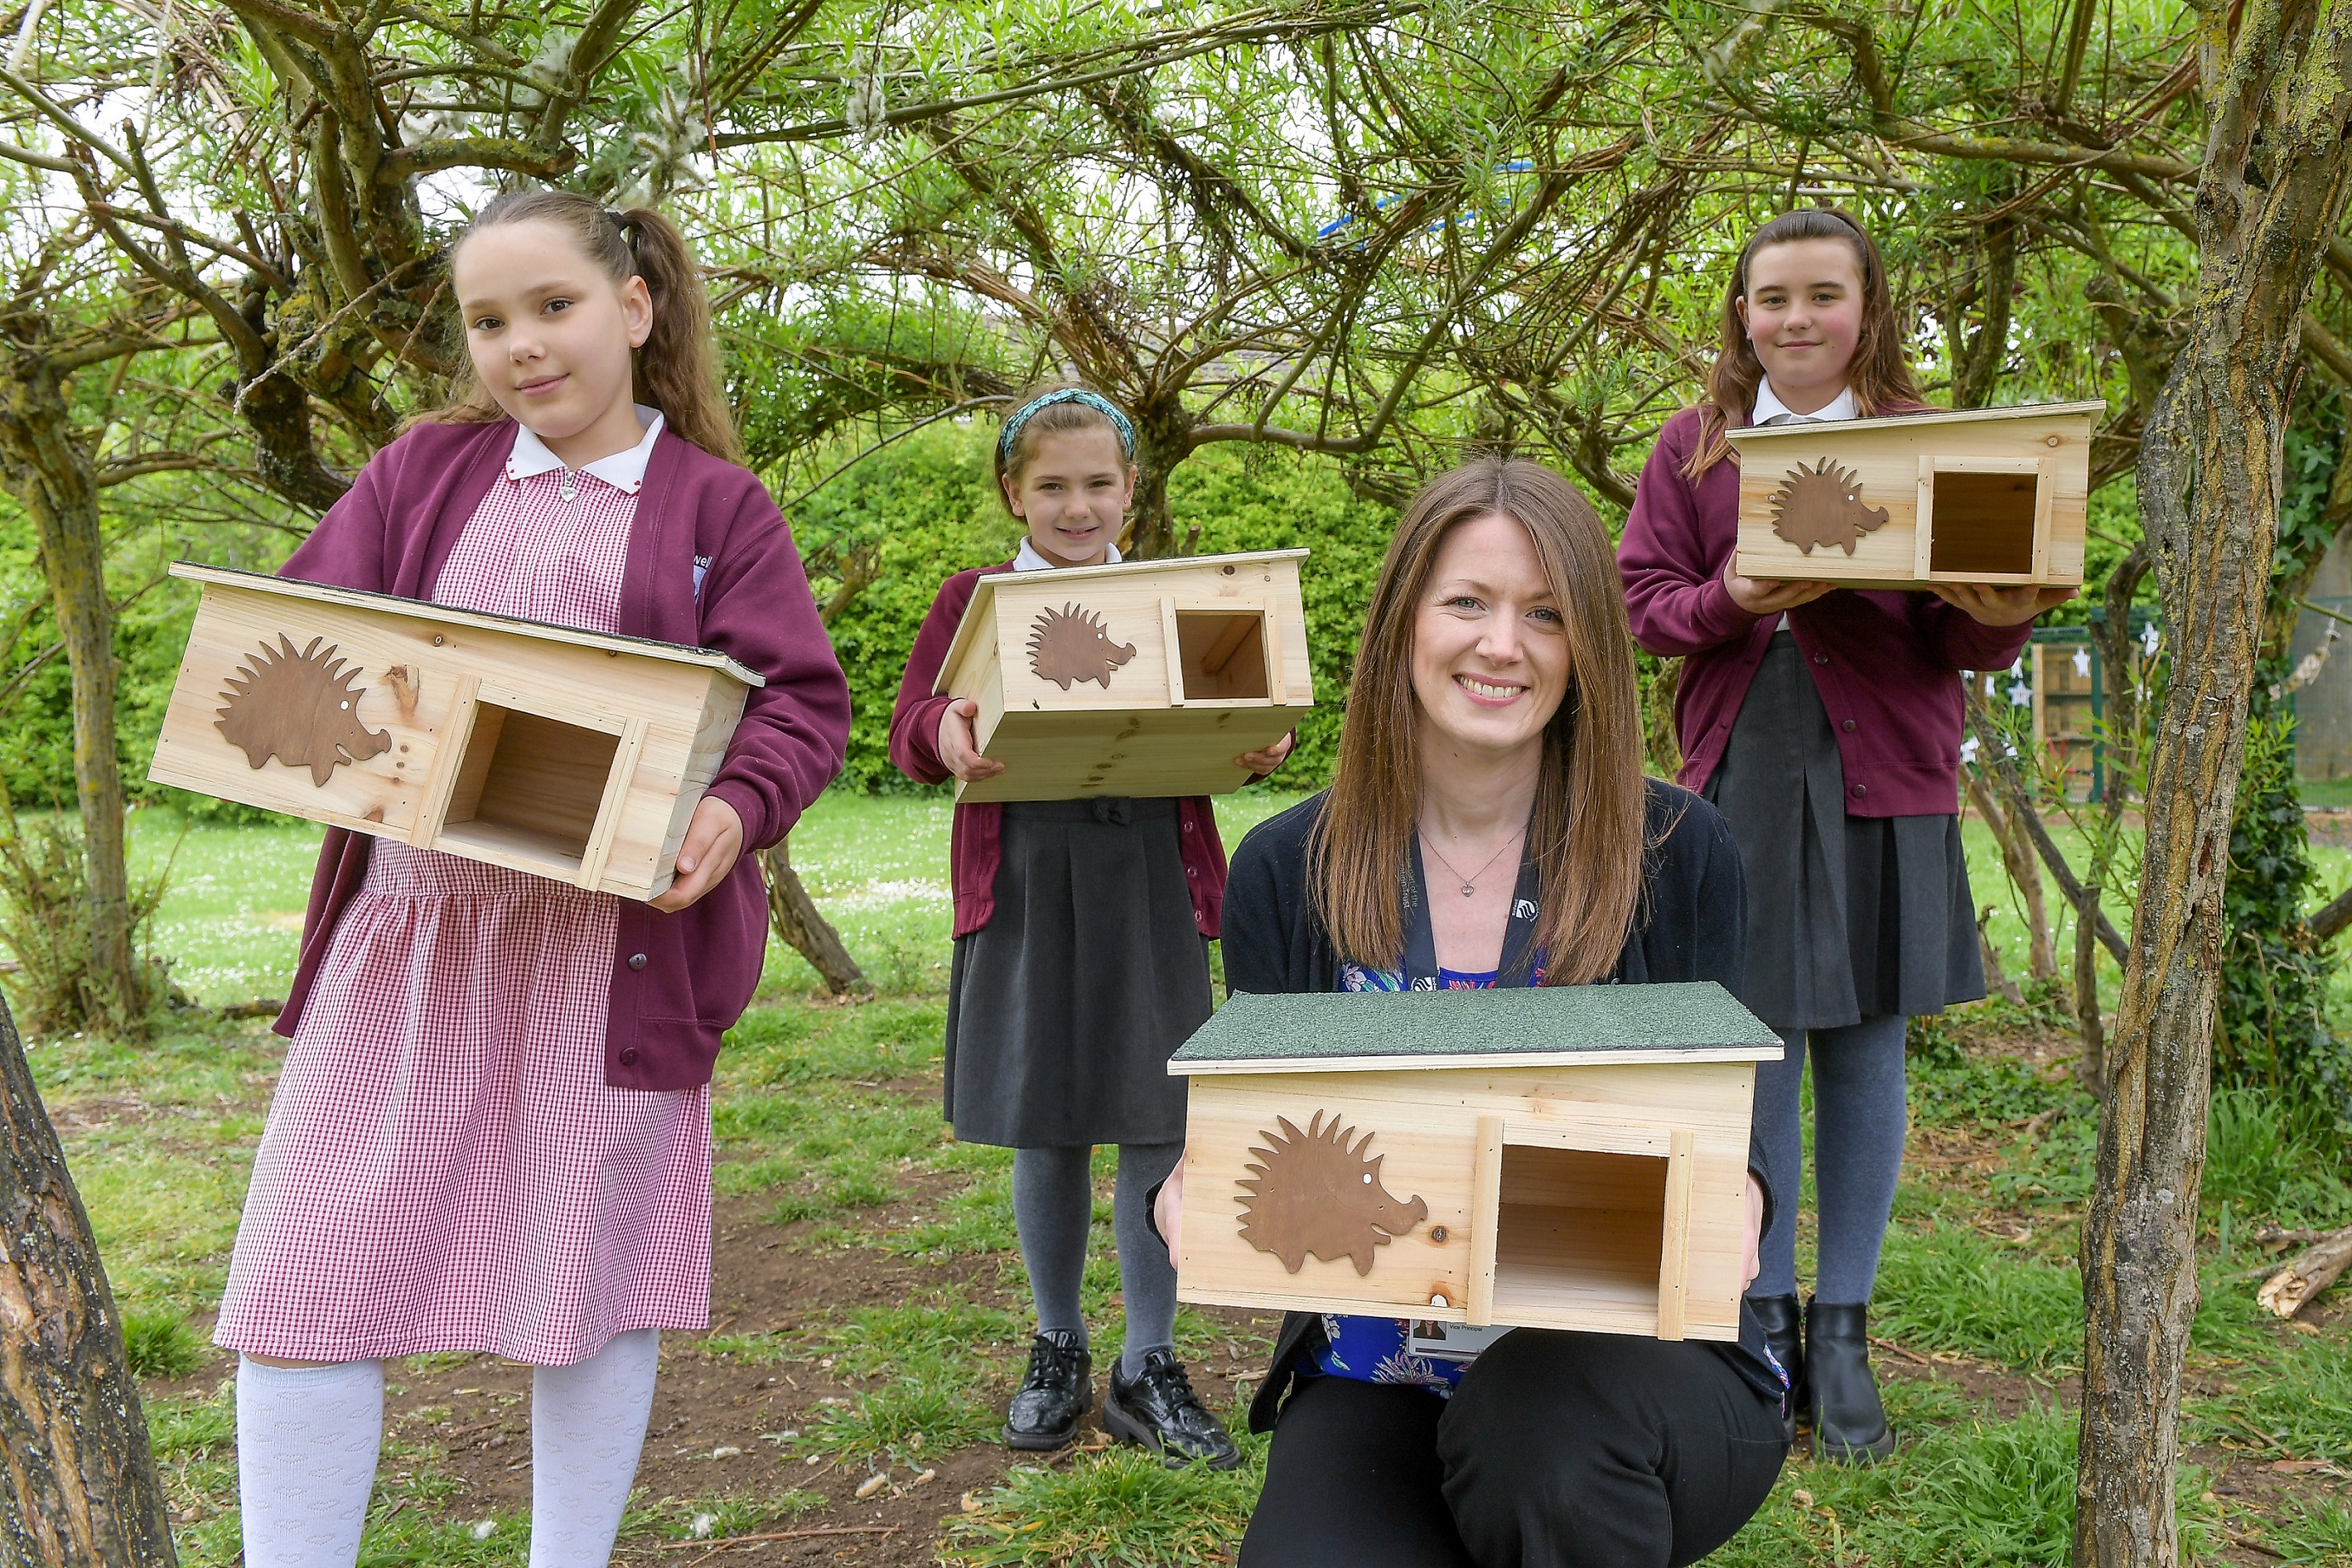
{"x": 52, "y": 479}
{"x": 77, "y": 1483}
{"x": 2091, "y": 1067}
{"x": 2024, "y": 874}
{"x": 2270, "y": 193}
{"x": 806, "y": 931}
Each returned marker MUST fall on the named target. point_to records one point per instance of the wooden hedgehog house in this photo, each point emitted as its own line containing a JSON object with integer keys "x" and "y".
{"x": 1562, "y": 1157}
{"x": 573, "y": 755}
{"x": 1145, "y": 678}
{"x": 1995, "y": 495}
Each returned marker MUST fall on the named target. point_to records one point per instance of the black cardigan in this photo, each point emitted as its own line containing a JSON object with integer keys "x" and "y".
{"x": 1689, "y": 925}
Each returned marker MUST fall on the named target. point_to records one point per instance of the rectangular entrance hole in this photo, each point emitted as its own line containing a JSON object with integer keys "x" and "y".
{"x": 1578, "y": 1230}
{"x": 1220, "y": 654}
{"x": 530, "y": 787}
{"x": 1982, "y": 523}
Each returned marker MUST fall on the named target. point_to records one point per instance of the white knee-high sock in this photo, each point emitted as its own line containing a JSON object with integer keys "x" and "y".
{"x": 306, "y": 1448}
{"x": 587, "y": 1425}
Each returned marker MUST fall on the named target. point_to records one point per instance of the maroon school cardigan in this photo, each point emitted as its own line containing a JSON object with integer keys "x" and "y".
{"x": 680, "y": 980}
{"x": 975, "y": 839}
{"x": 1885, "y": 663}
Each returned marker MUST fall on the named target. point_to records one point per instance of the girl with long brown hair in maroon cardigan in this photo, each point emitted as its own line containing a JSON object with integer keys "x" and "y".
{"x": 1825, "y": 724}
{"x": 492, "y": 1133}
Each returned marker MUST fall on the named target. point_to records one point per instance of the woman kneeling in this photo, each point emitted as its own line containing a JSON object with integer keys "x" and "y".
{"x": 1489, "y": 825}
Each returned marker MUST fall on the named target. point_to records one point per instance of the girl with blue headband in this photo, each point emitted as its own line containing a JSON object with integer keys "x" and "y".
{"x": 1081, "y": 964}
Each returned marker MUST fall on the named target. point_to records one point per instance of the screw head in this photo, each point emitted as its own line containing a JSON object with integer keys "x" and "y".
{"x": 1437, "y": 1234}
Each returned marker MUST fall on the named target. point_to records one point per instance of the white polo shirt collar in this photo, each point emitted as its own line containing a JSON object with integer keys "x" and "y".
{"x": 624, "y": 471}
{"x": 1028, "y": 558}
{"x": 1770, "y": 410}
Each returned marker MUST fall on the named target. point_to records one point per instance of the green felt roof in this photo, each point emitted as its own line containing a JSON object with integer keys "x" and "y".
{"x": 1334, "y": 1031}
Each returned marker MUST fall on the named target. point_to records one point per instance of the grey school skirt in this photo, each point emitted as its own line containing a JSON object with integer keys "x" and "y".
{"x": 1848, "y": 917}
{"x": 1064, "y": 1009}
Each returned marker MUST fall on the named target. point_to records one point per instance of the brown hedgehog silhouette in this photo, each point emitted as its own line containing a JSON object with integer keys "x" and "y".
{"x": 1822, "y": 505}
{"x": 1070, "y": 644}
{"x": 300, "y": 708}
{"x": 1315, "y": 1194}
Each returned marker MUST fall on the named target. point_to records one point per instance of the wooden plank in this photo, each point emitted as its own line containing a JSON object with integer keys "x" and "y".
{"x": 412, "y": 689}
{"x": 616, "y": 800}
{"x": 443, "y": 614}
{"x": 1485, "y": 1217}
{"x": 1674, "y": 1263}
{"x": 1893, "y": 464}
{"x": 1426, "y": 1127}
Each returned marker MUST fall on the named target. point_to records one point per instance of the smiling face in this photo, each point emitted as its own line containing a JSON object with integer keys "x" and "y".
{"x": 550, "y": 336}
{"x": 1803, "y": 314}
{"x": 1490, "y": 656}
{"x": 1073, "y": 492}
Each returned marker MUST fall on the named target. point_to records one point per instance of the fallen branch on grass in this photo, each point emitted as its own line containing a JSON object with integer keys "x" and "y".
{"x": 808, "y": 1534}
{"x": 2312, "y": 1270}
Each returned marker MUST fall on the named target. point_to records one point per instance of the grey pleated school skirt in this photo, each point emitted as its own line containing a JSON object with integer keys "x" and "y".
{"x": 1064, "y": 1009}
{"x": 1848, "y": 917}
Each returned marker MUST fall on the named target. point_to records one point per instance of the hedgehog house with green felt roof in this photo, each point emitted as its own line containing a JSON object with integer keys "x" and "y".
{"x": 1561, "y": 1158}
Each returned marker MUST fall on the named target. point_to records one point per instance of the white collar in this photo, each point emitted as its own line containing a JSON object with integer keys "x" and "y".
{"x": 1028, "y": 558}
{"x": 1769, "y": 408}
{"x": 624, "y": 471}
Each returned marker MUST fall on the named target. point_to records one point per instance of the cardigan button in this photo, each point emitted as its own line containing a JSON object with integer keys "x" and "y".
{"x": 637, "y": 960}
{"x": 1192, "y": 871}
{"x": 1188, "y": 827}
{"x": 1862, "y": 789}
{"x": 1847, "y": 726}
{"x": 1820, "y": 658}
{"x": 628, "y": 1056}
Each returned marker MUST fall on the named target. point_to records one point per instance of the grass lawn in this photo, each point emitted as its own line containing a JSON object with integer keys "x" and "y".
{"x": 869, "y": 1308}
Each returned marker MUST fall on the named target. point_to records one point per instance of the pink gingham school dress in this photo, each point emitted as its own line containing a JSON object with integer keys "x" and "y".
{"x": 444, "y": 1167}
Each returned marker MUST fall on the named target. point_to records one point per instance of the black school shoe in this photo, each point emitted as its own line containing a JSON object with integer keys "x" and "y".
{"x": 1059, "y": 1389}
{"x": 1782, "y": 1333}
{"x": 1849, "y": 1423}
{"x": 1159, "y": 1411}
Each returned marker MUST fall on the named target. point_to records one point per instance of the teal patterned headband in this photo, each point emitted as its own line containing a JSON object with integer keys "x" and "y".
{"x": 1095, "y": 401}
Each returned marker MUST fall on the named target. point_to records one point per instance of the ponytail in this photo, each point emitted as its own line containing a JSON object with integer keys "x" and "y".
{"x": 676, "y": 368}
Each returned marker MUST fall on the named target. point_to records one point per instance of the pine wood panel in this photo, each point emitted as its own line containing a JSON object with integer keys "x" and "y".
{"x": 471, "y": 704}
{"x": 1079, "y": 674}
{"x": 1426, "y": 1131}
{"x": 1896, "y": 463}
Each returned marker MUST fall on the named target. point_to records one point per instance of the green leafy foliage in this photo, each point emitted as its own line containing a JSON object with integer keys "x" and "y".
{"x": 160, "y": 1344}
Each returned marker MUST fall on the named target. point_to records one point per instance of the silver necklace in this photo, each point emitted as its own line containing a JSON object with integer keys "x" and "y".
{"x": 1469, "y": 884}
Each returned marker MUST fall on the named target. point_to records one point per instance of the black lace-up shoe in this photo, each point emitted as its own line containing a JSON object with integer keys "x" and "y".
{"x": 1158, "y": 1410}
{"x": 1059, "y": 1389}
{"x": 1849, "y": 1422}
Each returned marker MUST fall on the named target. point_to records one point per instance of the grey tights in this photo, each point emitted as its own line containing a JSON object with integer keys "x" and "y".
{"x": 1054, "y": 1203}
{"x": 1858, "y": 1118}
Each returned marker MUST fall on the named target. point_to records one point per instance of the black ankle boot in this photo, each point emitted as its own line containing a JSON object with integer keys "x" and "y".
{"x": 1849, "y": 1423}
{"x": 1159, "y": 1409}
{"x": 1782, "y": 1325}
{"x": 1059, "y": 1389}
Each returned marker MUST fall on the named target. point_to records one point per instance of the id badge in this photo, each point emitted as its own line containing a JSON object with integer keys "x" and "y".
{"x": 1450, "y": 1341}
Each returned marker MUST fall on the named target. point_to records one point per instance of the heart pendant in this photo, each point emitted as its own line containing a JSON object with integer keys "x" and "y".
{"x": 1468, "y": 890}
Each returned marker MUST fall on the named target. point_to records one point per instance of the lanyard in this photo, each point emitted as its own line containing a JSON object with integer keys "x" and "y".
{"x": 1421, "y": 939}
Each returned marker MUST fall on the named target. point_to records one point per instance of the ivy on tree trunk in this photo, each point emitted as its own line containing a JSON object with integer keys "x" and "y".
{"x": 2270, "y": 192}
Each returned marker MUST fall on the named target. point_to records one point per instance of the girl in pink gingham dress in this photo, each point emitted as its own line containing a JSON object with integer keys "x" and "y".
{"x": 456, "y": 1159}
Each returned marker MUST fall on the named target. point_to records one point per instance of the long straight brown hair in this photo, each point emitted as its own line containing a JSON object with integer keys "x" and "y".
{"x": 677, "y": 367}
{"x": 1879, "y": 376}
{"x": 1586, "y": 837}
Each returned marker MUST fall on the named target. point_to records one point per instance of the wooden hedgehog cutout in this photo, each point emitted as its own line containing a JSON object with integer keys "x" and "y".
{"x": 1822, "y": 505}
{"x": 300, "y": 708}
{"x": 1313, "y": 1193}
{"x": 1070, "y": 644}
